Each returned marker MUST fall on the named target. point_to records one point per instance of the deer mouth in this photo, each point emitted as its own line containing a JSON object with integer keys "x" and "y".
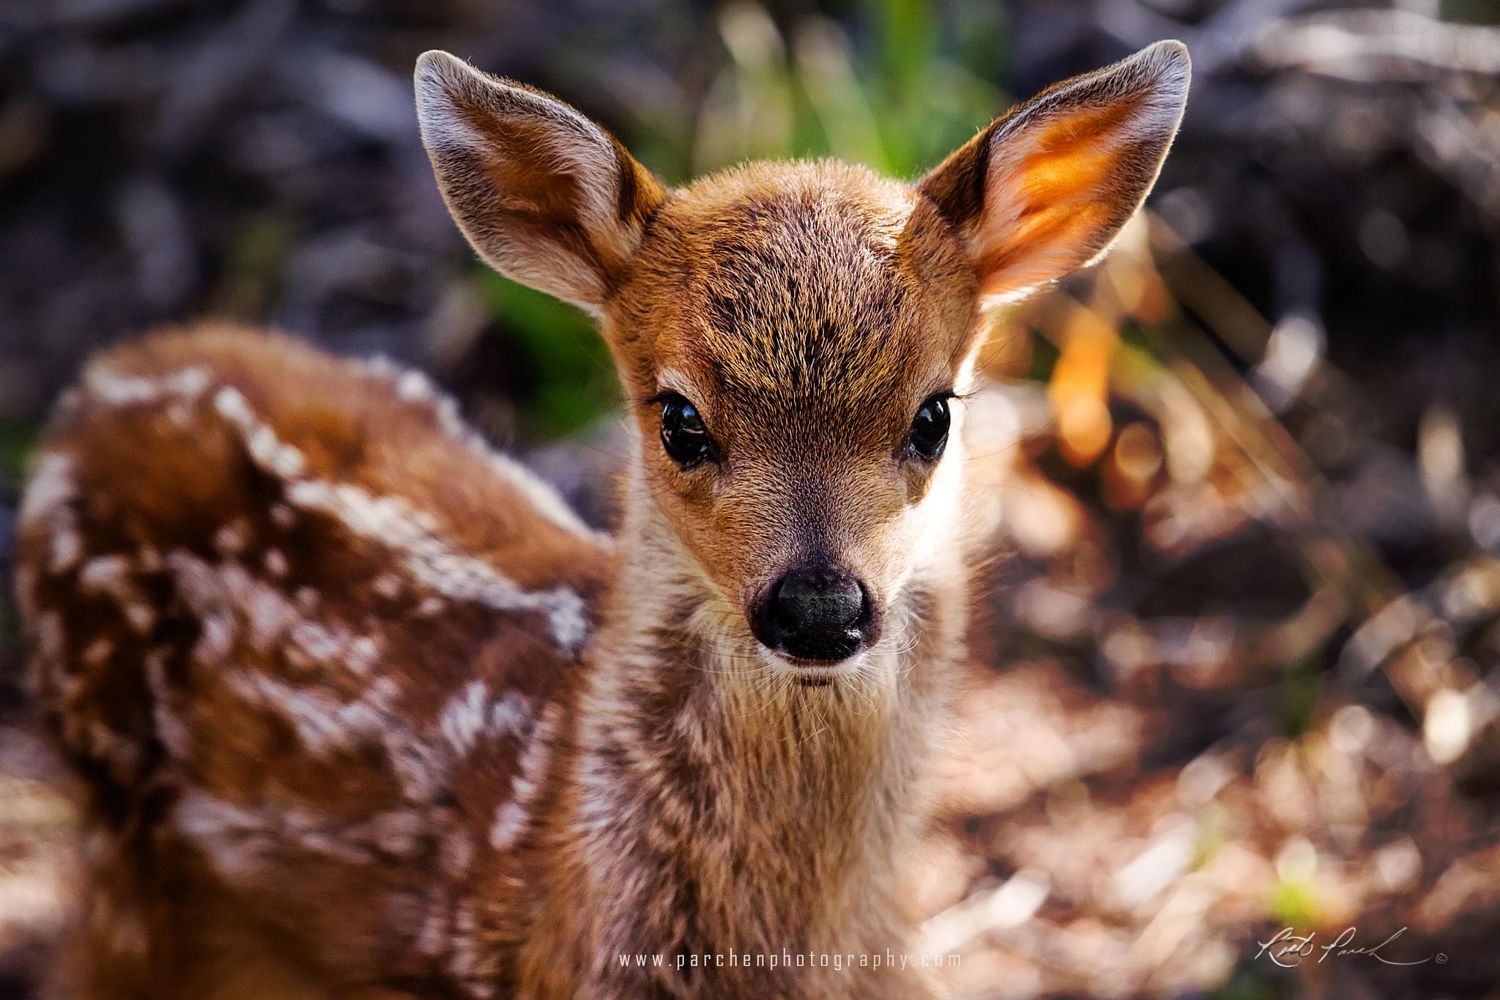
{"x": 812, "y": 673}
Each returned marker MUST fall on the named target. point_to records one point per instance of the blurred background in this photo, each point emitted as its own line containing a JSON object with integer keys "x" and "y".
{"x": 1238, "y": 660}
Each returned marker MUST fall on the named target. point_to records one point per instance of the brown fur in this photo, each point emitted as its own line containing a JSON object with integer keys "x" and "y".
{"x": 365, "y": 713}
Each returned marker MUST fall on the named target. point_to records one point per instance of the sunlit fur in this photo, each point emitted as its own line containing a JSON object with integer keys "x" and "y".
{"x": 363, "y": 711}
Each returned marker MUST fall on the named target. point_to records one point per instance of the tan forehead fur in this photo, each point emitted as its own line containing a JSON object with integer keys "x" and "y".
{"x": 803, "y": 280}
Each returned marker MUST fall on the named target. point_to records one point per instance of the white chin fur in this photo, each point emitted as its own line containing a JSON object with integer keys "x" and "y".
{"x": 844, "y": 668}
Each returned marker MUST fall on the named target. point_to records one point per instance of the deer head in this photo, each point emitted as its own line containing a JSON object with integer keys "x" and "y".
{"x": 795, "y": 340}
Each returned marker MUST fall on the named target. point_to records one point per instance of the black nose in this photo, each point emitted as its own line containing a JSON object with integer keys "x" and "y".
{"x": 816, "y": 612}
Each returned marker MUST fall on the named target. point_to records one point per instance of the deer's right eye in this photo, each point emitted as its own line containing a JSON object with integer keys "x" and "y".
{"x": 683, "y": 434}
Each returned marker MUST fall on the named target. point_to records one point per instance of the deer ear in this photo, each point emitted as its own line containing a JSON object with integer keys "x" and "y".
{"x": 543, "y": 194}
{"x": 1046, "y": 189}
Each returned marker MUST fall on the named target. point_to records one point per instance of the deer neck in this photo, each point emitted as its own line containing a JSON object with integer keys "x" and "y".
{"x": 784, "y": 804}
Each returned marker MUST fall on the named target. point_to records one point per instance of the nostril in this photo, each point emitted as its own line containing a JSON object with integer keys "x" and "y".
{"x": 817, "y": 613}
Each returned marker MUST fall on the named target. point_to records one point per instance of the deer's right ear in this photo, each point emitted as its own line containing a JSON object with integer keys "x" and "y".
{"x": 543, "y": 194}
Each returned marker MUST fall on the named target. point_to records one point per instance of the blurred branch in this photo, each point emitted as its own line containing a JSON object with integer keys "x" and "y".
{"x": 1376, "y": 46}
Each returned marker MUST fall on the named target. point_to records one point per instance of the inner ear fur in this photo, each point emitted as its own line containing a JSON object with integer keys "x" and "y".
{"x": 542, "y": 193}
{"x": 1046, "y": 188}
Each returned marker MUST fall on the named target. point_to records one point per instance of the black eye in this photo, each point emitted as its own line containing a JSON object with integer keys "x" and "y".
{"x": 929, "y": 429}
{"x": 683, "y": 433}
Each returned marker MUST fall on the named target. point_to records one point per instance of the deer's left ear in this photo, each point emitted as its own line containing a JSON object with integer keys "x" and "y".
{"x": 1046, "y": 189}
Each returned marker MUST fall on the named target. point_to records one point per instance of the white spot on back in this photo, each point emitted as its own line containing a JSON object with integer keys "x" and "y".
{"x": 171, "y": 733}
{"x": 395, "y": 524}
{"x": 242, "y": 842}
{"x": 511, "y": 716}
{"x": 415, "y": 387}
{"x": 232, "y": 538}
{"x": 457, "y": 852}
{"x": 67, "y": 546}
{"x": 50, "y": 644}
{"x": 462, "y": 719}
{"x": 48, "y": 498}
{"x": 272, "y": 622}
{"x": 117, "y": 389}
{"x": 510, "y": 820}
{"x": 113, "y": 576}
{"x": 513, "y": 815}
{"x": 323, "y": 724}
{"x": 472, "y": 715}
{"x": 362, "y": 655}
{"x": 265, "y": 448}
{"x": 51, "y": 486}
{"x": 275, "y": 563}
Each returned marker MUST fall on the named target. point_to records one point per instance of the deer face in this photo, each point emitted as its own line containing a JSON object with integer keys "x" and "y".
{"x": 796, "y": 339}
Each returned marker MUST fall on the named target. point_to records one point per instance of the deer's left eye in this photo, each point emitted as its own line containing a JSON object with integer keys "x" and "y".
{"x": 929, "y": 429}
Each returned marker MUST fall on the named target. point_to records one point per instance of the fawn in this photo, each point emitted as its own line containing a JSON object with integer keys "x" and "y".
{"x": 362, "y": 710}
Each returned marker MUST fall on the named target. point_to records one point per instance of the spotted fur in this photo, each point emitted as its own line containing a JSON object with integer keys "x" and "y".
{"x": 364, "y": 711}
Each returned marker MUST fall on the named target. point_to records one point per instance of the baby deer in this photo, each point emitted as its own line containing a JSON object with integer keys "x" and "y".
{"x": 364, "y": 711}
